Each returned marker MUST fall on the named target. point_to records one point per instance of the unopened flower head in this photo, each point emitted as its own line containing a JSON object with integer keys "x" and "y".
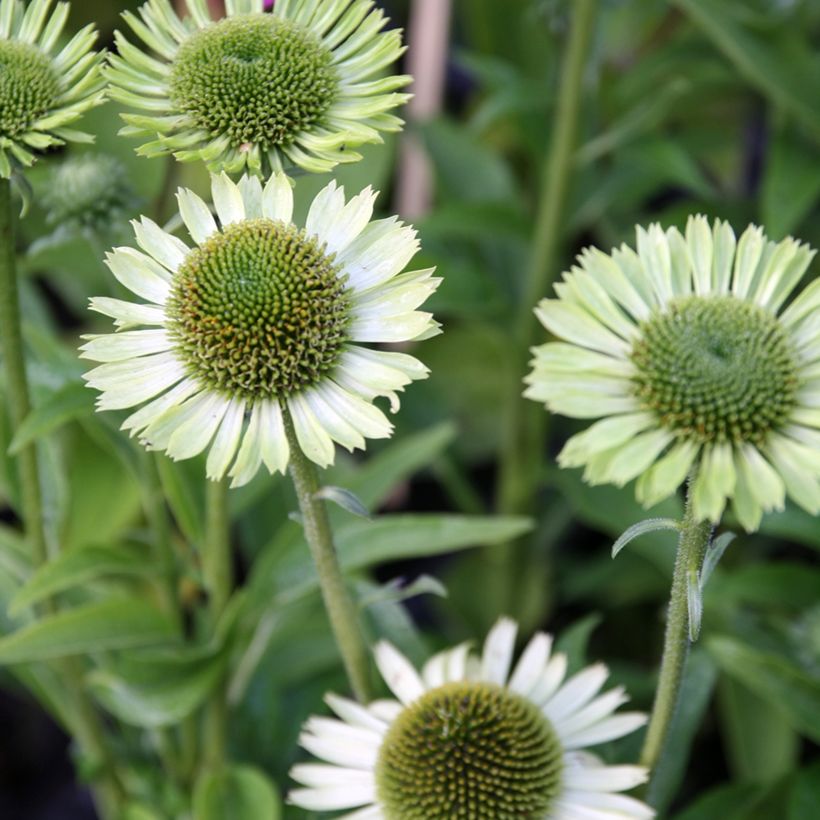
{"x": 293, "y": 88}
{"x": 259, "y": 325}
{"x": 468, "y": 738}
{"x": 90, "y": 192}
{"x": 700, "y": 361}
{"x": 43, "y": 88}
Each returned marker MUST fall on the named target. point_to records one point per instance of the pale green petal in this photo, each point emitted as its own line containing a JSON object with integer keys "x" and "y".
{"x": 326, "y": 207}
{"x": 609, "y": 275}
{"x": 667, "y": 474}
{"x": 133, "y": 271}
{"x": 714, "y": 482}
{"x": 251, "y": 190}
{"x": 573, "y": 323}
{"x": 580, "y": 287}
{"x": 746, "y": 507}
{"x": 636, "y": 456}
{"x": 724, "y": 244}
{"x": 800, "y": 479}
{"x": 348, "y": 223}
{"x": 680, "y": 261}
{"x": 363, "y": 416}
{"x": 653, "y": 250}
{"x": 603, "y": 435}
{"x": 747, "y": 259}
{"x": 337, "y": 427}
{"x": 699, "y": 240}
{"x": 379, "y": 252}
{"x": 560, "y": 357}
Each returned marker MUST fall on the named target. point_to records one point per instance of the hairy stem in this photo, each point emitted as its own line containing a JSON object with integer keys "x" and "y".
{"x": 692, "y": 546}
{"x": 85, "y": 722}
{"x": 339, "y": 604}
{"x": 217, "y": 570}
{"x": 524, "y": 423}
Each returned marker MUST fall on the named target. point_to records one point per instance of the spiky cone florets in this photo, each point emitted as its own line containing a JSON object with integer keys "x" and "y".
{"x": 472, "y": 737}
{"x": 294, "y": 88}
{"x": 260, "y": 322}
{"x": 43, "y": 88}
{"x": 701, "y": 362}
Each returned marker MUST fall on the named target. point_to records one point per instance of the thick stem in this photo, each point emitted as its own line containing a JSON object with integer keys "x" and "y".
{"x": 217, "y": 571}
{"x": 692, "y": 546}
{"x": 86, "y": 724}
{"x": 339, "y": 604}
{"x": 524, "y": 423}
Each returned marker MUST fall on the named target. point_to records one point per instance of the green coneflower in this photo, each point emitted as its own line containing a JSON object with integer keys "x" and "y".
{"x": 294, "y": 88}
{"x": 698, "y": 360}
{"x": 262, "y": 319}
{"x": 43, "y": 89}
{"x": 89, "y": 192}
{"x": 471, "y": 736}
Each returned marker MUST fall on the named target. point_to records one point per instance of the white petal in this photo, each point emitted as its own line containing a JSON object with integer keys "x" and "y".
{"x": 498, "y": 651}
{"x": 227, "y": 199}
{"x": 576, "y": 692}
{"x": 130, "y": 344}
{"x": 147, "y": 415}
{"x": 531, "y": 665}
{"x": 319, "y": 774}
{"x": 398, "y": 673}
{"x": 599, "y": 708}
{"x": 354, "y": 713}
{"x": 332, "y": 421}
{"x": 277, "y": 198}
{"x": 435, "y": 670}
{"x": 604, "y": 778}
{"x": 340, "y": 752}
{"x": 609, "y": 729}
{"x": 249, "y": 457}
{"x": 273, "y": 441}
{"x": 550, "y": 679}
{"x": 349, "y": 222}
{"x": 128, "y": 314}
{"x": 314, "y": 440}
{"x": 193, "y": 436}
{"x": 613, "y": 805}
{"x": 165, "y": 248}
{"x": 226, "y": 441}
{"x": 196, "y": 215}
{"x": 251, "y": 190}
{"x": 128, "y": 383}
{"x": 135, "y": 271}
{"x": 325, "y": 209}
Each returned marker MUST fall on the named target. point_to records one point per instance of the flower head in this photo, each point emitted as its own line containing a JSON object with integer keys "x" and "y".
{"x": 43, "y": 89}
{"x": 468, "y": 739}
{"x": 698, "y": 363}
{"x": 290, "y": 88}
{"x": 89, "y": 192}
{"x": 259, "y": 325}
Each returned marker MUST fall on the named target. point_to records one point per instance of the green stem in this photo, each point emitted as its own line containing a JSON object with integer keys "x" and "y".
{"x": 524, "y": 423}
{"x": 692, "y": 546}
{"x": 86, "y": 723}
{"x": 217, "y": 571}
{"x": 339, "y": 605}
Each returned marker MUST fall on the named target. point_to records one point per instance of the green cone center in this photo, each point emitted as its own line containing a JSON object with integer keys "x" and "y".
{"x": 469, "y": 750}
{"x": 259, "y": 310}
{"x": 716, "y": 369}
{"x": 255, "y": 79}
{"x": 29, "y": 86}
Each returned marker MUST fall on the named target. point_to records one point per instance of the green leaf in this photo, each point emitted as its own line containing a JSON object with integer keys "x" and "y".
{"x": 378, "y": 477}
{"x": 152, "y": 693}
{"x": 346, "y": 499}
{"x": 696, "y": 693}
{"x": 184, "y": 496}
{"x": 66, "y": 404}
{"x": 774, "y": 679}
{"x": 76, "y": 567}
{"x": 791, "y": 185}
{"x": 237, "y": 793}
{"x": 758, "y": 60}
{"x": 115, "y": 623}
{"x": 805, "y": 794}
{"x": 760, "y": 744}
{"x": 466, "y": 169}
{"x": 733, "y": 802}
{"x": 574, "y": 640}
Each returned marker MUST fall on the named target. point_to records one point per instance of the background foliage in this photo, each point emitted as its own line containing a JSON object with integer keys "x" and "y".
{"x": 689, "y": 106}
